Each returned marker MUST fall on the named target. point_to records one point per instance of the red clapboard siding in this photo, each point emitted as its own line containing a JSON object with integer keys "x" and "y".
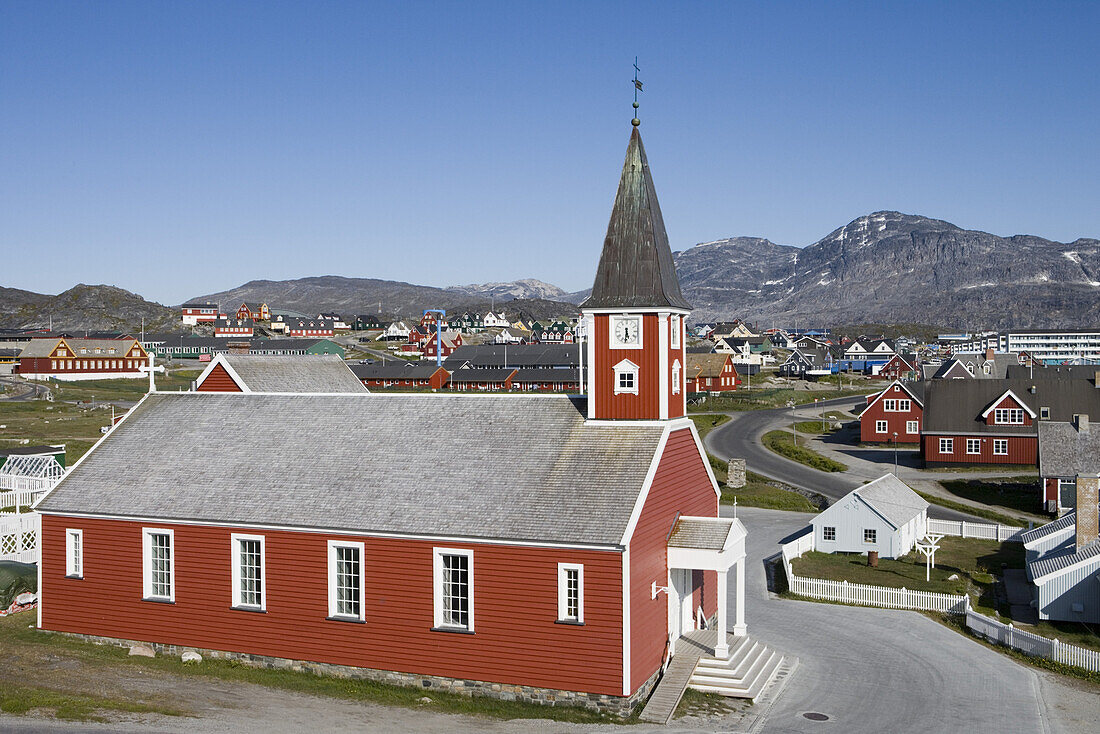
{"x": 626, "y": 406}
{"x": 1051, "y": 489}
{"x": 1007, "y": 403}
{"x": 681, "y": 485}
{"x": 515, "y": 604}
{"x": 1021, "y": 450}
{"x": 895, "y": 421}
{"x": 218, "y": 381}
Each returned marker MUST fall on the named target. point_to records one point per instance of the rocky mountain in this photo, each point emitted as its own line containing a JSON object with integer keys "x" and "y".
{"x": 91, "y": 307}
{"x": 891, "y": 267}
{"x": 528, "y": 288}
{"x": 350, "y": 296}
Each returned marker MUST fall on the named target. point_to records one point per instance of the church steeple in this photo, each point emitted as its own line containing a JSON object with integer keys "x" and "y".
{"x": 636, "y": 267}
{"x": 634, "y": 317}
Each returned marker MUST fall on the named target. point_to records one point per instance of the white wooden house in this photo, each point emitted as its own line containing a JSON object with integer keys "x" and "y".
{"x": 884, "y": 515}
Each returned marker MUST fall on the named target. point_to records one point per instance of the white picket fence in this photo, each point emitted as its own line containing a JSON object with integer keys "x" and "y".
{"x": 1032, "y": 644}
{"x": 863, "y": 594}
{"x": 19, "y": 536}
{"x": 18, "y": 499}
{"x": 981, "y": 530}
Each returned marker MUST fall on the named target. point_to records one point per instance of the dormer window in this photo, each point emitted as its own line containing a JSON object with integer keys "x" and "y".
{"x": 626, "y": 377}
{"x": 1008, "y": 416}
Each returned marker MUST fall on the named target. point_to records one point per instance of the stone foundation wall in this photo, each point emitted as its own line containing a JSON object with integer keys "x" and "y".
{"x": 617, "y": 705}
{"x": 735, "y": 477}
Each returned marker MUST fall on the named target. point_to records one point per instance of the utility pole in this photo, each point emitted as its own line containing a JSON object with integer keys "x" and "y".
{"x": 895, "y": 453}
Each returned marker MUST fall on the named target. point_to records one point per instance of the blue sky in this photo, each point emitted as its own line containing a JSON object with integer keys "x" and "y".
{"x": 176, "y": 149}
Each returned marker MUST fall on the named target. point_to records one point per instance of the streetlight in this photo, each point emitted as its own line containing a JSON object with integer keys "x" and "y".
{"x": 895, "y": 453}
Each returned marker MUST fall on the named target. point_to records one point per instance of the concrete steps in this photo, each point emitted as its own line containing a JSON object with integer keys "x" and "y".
{"x": 744, "y": 673}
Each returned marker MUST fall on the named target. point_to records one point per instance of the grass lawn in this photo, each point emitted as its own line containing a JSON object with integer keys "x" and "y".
{"x": 769, "y": 397}
{"x": 123, "y": 389}
{"x": 819, "y": 427}
{"x": 974, "y": 561}
{"x": 782, "y": 443}
{"x": 708, "y": 422}
{"x": 1014, "y": 493}
{"x": 757, "y": 491}
{"x": 84, "y": 681}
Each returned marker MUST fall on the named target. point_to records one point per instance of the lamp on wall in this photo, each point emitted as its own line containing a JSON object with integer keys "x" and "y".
{"x": 654, "y": 590}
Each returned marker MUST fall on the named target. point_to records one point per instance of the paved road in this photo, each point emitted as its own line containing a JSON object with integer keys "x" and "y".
{"x": 740, "y": 437}
{"x": 877, "y": 670}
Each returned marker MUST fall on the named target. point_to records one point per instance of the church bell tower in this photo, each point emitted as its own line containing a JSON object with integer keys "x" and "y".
{"x": 635, "y": 316}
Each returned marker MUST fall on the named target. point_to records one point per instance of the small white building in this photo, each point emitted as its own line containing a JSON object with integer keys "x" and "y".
{"x": 494, "y": 320}
{"x": 884, "y": 515}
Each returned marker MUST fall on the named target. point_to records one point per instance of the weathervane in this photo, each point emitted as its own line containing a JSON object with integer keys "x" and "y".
{"x": 637, "y": 88}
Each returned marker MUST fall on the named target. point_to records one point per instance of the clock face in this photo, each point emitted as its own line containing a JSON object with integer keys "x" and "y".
{"x": 627, "y": 331}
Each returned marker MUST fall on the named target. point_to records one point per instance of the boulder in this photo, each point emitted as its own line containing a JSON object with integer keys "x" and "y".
{"x": 191, "y": 657}
{"x": 142, "y": 651}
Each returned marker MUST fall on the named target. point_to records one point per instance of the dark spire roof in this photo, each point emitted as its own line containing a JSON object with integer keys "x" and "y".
{"x": 636, "y": 268}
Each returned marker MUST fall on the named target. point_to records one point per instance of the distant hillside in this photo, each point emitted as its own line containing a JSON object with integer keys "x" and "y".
{"x": 350, "y": 296}
{"x": 890, "y": 267}
{"x": 92, "y": 307}
{"x": 529, "y": 288}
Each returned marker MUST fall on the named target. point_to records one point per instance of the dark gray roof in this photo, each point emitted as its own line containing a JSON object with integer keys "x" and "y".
{"x": 515, "y": 355}
{"x": 539, "y": 374}
{"x": 1053, "y": 562}
{"x": 700, "y": 532}
{"x": 233, "y": 323}
{"x": 1065, "y": 521}
{"x": 636, "y": 267}
{"x": 486, "y": 375}
{"x": 397, "y": 369}
{"x": 893, "y": 499}
{"x": 324, "y": 373}
{"x": 1066, "y": 452}
{"x": 1055, "y": 372}
{"x": 531, "y": 468}
{"x": 955, "y": 406}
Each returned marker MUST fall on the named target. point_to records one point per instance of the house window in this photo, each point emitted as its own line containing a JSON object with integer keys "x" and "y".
{"x": 158, "y": 565}
{"x": 828, "y": 533}
{"x": 676, "y": 333}
{"x": 973, "y": 446}
{"x": 947, "y": 445}
{"x": 345, "y": 581}
{"x": 1000, "y": 447}
{"x": 1044, "y": 413}
{"x": 870, "y": 535}
{"x": 881, "y": 427}
{"x": 1011, "y": 416}
{"x": 571, "y": 593}
{"x": 626, "y": 377}
{"x": 912, "y": 427}
{"x": 454, "y": 592}
{"x": 74, "y": 553}
{"x": 676, "y": 377}
{"x": 248, "y": 571}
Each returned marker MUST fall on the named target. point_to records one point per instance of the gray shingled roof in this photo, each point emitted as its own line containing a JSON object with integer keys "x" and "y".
{"x": 1066, "y": 452}
{"x": 530, "y": 470}
{"x": 107, "y": 347}
{"x": 311, "y": 373}
{"x": 636, "y": 267}
{"x": 1065, "y": 521}
{"x": 700, "y": 532}
{"x": 955, "y": 406}
{"x": 893, "y": 499}
{"x": 1053, "y": 562}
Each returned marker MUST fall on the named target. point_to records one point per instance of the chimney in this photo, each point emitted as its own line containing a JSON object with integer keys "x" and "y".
{"x": 989, "y": 353}
{"x": 1088, "y": 497}
{"x": 241, "y": 347}
{"x": 1083, "y": 423}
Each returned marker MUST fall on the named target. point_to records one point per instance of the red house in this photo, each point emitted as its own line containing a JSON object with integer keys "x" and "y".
{"x": 899, "y": 367}
{"x": 482, "y": 379}
{"x": 589, "y": 528}
{"x": 71, "y": 359}
{"x": 401, "y": 374}
{"x": 992, "y": 421}
{"x": 254, "y": 312}
{"x": 711, "y": 373}
{"x": 894, "y": 415}
{"x": 318, "y": 328}
{"x": 197, "y": 313}
{"x": 445, "y": 345}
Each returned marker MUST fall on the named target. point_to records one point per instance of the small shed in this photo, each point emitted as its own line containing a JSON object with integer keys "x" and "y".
{"x": 884, "y": 515}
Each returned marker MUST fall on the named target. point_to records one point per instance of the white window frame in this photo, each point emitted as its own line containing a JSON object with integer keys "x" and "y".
{"x": 235, "y": 560}
{"x": 1044, "y": 413}
{"x": 437, "y": 588}
{"x": 147, "y": 564}
{"x": 626, "y": 367}
{"x": 827, "y": 531}
{"x": 563, "y": 593}
{"x": 332, "y": 611}
{"x": 676, "y": 377}
{"x": 998, "y": 444}
{"x": 1010, "y": 414}
{"x": 882, "y": 427}
{"x": 947, "y": 446}
{"x": 976, "y": 443}
{"x": 74, "y": 553}
{"x": 912, "y": 427}
{"x": 613, "y": 323}
{"x": 677, "y": 325}
{"x": 870, "y": 536}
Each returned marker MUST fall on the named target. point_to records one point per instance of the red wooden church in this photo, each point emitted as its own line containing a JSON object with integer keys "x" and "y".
{"x": 589, "y": 528}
